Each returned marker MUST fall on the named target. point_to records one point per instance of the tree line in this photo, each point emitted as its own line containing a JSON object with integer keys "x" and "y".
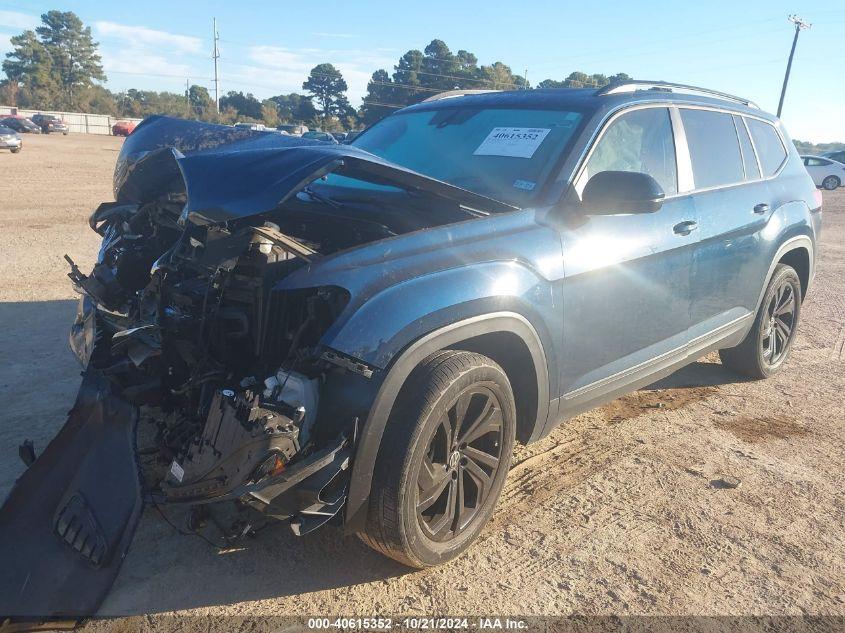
{"x": 57, "y": 67}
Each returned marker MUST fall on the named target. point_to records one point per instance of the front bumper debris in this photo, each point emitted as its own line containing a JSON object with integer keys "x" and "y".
{"x": 68, "y": 521}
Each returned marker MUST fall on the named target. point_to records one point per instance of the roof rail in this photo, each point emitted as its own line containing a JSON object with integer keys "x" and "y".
{"x": 456, "y": 93}
{"x": 666, "y": 86}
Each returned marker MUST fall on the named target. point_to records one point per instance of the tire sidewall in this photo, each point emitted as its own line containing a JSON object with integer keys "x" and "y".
{"x": 426, "y": 551}
{"x": 785, "y": 273}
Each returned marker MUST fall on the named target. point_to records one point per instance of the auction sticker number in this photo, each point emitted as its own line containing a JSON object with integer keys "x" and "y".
{"x": 517, "y": 142}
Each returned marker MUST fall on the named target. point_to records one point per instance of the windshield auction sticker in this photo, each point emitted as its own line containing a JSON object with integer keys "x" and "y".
{"x": 518, "y": 142}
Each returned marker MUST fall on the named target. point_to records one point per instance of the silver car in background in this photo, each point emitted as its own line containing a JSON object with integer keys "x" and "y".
{"x": 11, "y": 140}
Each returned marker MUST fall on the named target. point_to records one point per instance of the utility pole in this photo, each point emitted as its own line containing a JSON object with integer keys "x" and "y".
{"x": 800, "y": 25}
{"x": 215, "y": 56}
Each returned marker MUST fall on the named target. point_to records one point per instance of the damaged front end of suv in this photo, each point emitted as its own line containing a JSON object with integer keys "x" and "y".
{"x": 200, "y": 331}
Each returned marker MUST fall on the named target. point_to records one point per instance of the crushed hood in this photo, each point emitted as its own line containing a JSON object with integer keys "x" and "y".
{"x": 230, "y": 173}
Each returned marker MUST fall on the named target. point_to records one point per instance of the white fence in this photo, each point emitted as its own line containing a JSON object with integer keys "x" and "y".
{"x": 77, "y": 122}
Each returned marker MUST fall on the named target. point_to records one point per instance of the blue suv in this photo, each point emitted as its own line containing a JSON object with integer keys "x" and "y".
{"x": 360, "y": 333}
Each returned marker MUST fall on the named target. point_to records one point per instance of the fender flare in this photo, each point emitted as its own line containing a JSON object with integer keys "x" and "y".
{"x": 792, "y": 244}
{"x": 366, "y": 453}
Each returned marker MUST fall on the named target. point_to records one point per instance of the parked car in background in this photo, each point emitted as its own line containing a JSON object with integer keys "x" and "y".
{"x": 256, "y": 127}
{"x": 835, "y": 155}
{"x": 20, "y": 124}
{"x": 123, "y": 128}
{"x": 11, "y": 140}
{"x": 292, "y": 129}
{"x": 317, "y": 135}
{"x": 826, "y": 173}
{"x": 50, "y": 123}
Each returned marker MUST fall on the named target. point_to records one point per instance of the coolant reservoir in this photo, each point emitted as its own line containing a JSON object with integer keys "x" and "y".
{"x": 297, "y": 391}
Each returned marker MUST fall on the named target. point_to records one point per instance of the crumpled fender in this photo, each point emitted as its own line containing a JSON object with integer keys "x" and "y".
{"x": 68, "y": 521}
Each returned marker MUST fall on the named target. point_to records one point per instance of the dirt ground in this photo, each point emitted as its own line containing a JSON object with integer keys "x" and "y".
{"x": 621, "y": 511}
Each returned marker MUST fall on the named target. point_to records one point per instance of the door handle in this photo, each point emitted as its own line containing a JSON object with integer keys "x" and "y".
{"x": 685, "y": 228}
{"x": 761, "y": 208}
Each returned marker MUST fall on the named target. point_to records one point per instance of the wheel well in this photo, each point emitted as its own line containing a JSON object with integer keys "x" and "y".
{"x": 511, "y": 352}
{"x": 799, "y": 259}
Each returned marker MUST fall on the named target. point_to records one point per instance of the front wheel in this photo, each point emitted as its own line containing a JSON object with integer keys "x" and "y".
{"x": 443, "y": 460}
{"x": 766, "y": 347}
{"x": 15, "y": 150}
{"x": 830, "y": 183}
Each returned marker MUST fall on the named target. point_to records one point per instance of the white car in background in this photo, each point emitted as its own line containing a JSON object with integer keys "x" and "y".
{"x": 256, "y": 127}
{"x": 825, "y": 172}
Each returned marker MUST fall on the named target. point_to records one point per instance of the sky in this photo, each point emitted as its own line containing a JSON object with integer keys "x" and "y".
{"x": 267, "y": 48}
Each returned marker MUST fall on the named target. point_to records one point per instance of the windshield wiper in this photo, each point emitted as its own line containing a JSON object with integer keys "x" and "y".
{"x": 318, "y": 197}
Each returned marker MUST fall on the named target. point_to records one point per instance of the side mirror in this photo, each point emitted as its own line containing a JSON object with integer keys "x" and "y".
{"x": 622, "y": 192}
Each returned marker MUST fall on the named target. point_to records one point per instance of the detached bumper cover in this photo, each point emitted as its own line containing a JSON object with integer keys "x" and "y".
{"x": 68, "y": 522}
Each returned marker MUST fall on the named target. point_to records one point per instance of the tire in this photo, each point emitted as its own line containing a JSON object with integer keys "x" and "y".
{"x": 767, "y": 346}
{"x": 416, "y": 452}
{"x": 830, "y": 183}
{"x": 15, "y": 150}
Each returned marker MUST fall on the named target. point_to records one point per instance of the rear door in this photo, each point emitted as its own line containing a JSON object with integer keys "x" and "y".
{"x": 733, "y": 202}
{"x": 626, "y": 289}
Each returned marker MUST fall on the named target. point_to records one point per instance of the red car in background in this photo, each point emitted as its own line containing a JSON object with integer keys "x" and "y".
{"x": 123, "y": 128}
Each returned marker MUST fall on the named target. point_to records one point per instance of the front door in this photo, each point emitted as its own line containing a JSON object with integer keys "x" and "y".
{"x": 626, "y": 293}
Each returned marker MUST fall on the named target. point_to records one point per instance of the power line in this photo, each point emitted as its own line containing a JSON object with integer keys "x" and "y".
{"x": 800, "y": 25}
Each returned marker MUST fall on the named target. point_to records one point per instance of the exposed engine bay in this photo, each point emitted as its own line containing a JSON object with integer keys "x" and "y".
{"x": 205, "y": 377}
{"x": 186, "y": 324}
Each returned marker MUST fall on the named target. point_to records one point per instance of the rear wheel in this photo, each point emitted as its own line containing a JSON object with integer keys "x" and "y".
{"x": 766, "y": 347}
{"x": 443, "y": 460}
{"x": 831, "y": 182}
{"x": 15, "y": 150}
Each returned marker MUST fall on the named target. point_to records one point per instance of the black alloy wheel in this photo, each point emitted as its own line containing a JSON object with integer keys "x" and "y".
{"x": 456, "y": 474}
{"x": 781, "y": 313}
{"x": 443, "y": 459}
{"x": 767, "y": 345}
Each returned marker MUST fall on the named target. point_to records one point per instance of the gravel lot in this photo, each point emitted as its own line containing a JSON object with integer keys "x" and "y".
{"x": 618, "y": 512}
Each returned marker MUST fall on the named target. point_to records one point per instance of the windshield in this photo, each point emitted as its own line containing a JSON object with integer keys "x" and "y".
{"x": 502, "y": 153}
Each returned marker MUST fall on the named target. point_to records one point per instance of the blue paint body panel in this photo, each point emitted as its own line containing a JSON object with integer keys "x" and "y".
{"x": 613, "y": 299}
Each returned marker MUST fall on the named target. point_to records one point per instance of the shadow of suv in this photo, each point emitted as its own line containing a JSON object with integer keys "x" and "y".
{"x": 359, "y": 333}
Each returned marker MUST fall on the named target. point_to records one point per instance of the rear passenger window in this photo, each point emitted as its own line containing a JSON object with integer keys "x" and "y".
{"x": 713, "y": 148}
{"x": 749, "y": 160}
{"x": 769, "y": 147}
{"x": 640, "y": 141}
{"x": 816, "y": 162}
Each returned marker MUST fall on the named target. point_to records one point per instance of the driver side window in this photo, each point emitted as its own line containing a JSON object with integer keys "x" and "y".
{"x": 640, "y": 141}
